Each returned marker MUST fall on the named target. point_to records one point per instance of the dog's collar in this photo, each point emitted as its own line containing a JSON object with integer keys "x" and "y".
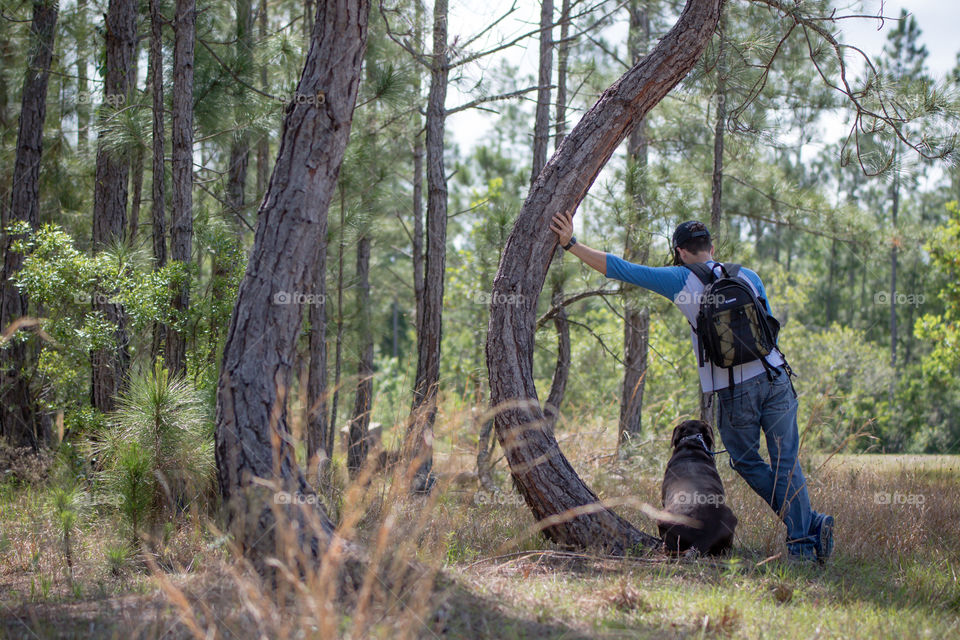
{"x": 699, "y": 437}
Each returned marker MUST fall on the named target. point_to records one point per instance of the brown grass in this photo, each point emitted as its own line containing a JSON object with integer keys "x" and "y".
{"x": 451, "y": 565}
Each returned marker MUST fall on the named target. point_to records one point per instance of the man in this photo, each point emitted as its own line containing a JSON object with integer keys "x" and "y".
{"x": 761, "y": 398}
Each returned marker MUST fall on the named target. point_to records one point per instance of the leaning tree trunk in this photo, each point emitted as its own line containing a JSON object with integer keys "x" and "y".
{"x": 109, "y": 365}
{"x": 357, "y": 442}
{"x": 253, "y": 441}
{"x": 424, "y": 411}
{"x": 158, "y": 196}
{"x": 569, "y": 512}
{"x": 636, "y": 325}
{"x": 17, "y": 407}
{"x": 181, "y": 173}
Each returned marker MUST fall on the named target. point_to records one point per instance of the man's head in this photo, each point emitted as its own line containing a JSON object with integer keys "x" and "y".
{"x": 691, "y": 243}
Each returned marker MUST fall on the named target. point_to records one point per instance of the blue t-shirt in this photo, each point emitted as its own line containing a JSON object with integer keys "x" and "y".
{"x": 682, "y": 287}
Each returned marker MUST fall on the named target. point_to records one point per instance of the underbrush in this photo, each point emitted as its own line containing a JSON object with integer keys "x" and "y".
{"x": 459, "y": 563}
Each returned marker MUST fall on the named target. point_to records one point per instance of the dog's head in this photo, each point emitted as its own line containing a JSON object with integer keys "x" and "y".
{"x": 692, "y": 428}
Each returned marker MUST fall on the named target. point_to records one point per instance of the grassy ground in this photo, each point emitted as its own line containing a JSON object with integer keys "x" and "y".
{"x": 485, "y": 573}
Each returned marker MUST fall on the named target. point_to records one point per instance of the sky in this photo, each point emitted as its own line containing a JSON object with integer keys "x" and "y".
{"x": 937, "y": 19}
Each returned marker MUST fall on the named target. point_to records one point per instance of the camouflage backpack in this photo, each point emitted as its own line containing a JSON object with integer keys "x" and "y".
{"x": 733, "y": 326}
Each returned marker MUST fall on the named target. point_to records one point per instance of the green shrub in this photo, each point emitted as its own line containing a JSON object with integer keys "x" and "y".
{"x": 156, "y": 452}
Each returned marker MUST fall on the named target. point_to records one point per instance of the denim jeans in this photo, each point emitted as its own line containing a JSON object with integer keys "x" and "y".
{"x": 769, "y": 406}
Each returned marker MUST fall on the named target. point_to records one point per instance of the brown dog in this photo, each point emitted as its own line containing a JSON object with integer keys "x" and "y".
{"x": 693, "y": 491}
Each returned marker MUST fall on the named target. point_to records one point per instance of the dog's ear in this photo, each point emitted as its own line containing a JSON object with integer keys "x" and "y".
{"x": 707, "y": 431}
{"x": 677, "y": 434}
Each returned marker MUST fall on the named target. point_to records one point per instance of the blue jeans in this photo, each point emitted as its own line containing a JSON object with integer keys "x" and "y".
{"x": 760, "y": 404}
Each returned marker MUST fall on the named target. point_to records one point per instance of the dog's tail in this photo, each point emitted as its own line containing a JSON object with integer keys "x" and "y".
{"x": 665, "y": 517}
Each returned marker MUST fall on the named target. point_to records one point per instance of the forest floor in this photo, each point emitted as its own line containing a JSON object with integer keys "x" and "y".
{"x": 488, "y": 574}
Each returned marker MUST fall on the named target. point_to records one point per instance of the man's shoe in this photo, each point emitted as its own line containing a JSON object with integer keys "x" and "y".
{"x": 801, "y": 552}
{"x": 824, "y": 532}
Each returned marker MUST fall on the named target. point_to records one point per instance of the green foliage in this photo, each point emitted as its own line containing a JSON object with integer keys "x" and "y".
{"x": 943, "y": 330}
{"x": 156, "y": 456}
{"x": 117, "y": 557}
{"x": 843, "y": 384}
{"x": 64, "y": 281}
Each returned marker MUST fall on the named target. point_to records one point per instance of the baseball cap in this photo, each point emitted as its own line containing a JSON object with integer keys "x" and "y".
{"x": 687, "y": 231}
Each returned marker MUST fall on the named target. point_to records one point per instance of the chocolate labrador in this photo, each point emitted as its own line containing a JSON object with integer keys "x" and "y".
{"x": 692, "y": 491}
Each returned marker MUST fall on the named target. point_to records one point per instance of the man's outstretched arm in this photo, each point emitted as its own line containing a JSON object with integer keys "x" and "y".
{"x": 562, "y": 225}
{"x": 667, "y": 281}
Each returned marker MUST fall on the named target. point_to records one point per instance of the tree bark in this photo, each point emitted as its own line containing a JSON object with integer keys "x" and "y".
{"x": 568, "y": 511}
{"x": 19, "y": 424}
{"x": 136, "y": 164}
{"x": 158, "y": 195}
{"x": 541, "y": 126}
{"x": 319, "y": 435}
{"x": 338, "y": 352}
{"x": 418, "y": 177}
{"x": 263, "y": 144}
{"x": 358, "y": 444}
{"x": 83, "y": 93}
{"x": 109, "y": 366}
{"x": 636, "y": 326}
{"x": 541, "y": 136}
{"x": 253, "y": 442}
{"x": 181, "y": 173}
{"x": 424, "y": 410}
{"x": 716, "y": 190}
{"x": 240, "y": 148}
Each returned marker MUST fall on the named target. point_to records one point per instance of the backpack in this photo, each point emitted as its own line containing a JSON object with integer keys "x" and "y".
{"x": 733, "y": 326}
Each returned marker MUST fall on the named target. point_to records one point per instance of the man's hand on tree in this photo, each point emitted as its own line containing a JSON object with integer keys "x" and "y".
{"x": 562, "y": 225}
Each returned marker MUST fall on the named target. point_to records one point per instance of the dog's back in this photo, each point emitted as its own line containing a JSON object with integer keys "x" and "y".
{"x": 693, "y": 492}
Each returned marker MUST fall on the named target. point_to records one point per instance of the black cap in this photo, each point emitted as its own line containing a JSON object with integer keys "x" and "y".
{"x": 687, "y": 231}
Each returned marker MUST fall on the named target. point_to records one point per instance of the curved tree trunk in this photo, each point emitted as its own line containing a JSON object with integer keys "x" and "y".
{"x": 567, "y": 509}
{"x": 109, "y": 366}
{"x": 357, "y": 442}
{"x": 18, "y": 420}
{"x": 253, "y": 441}
{"x": 636, "y": 325}
{"x": 181, "y": 173}
{"x": 430, "y": 326}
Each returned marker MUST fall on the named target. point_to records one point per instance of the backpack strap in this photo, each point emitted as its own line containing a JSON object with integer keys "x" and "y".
{"x": 731, "y": 269}
{"x": 702, "y": 271}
